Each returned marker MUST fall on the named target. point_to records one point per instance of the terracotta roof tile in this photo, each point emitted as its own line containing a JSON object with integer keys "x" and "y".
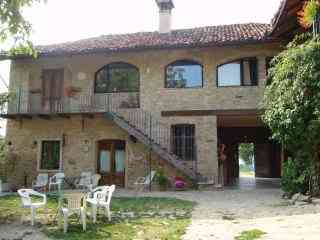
{"x": 196, "y": 37}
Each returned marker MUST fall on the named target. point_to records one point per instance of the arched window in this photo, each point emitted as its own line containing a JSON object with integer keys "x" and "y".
{"x": 184, "y": 74}
{"x": 117, "y": 77}
{"x": 243, "y": 72}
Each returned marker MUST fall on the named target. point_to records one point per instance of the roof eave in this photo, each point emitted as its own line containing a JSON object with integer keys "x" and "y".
{"x": 145, "y": 48}
{"x": 278, "y": 17}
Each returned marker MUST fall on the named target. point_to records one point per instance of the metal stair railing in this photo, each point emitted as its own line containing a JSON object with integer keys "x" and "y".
{"x": 151, "y": 131}
{"x": 123, "y": 108}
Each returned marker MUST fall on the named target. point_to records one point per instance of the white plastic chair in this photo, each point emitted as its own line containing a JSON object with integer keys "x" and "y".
{"x": 27, "y": 202}
{"x": 101, "y": 198}
{"x": 143, "y": 182}
{"x": 85, "y": 180}
{"x": 56, "y": 180}
{"x": 94, "y": 181}
{"x": 41, "y": 181}
{"x": 75, "y": 204}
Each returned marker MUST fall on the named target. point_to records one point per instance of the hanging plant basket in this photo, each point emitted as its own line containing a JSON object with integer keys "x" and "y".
{"x": 72, "y": 91}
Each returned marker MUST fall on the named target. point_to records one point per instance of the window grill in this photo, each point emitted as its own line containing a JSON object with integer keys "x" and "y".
{"x": 183, "y": 141}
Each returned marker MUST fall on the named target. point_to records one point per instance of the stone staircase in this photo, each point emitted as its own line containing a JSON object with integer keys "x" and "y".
{"x": 149, "y": 131}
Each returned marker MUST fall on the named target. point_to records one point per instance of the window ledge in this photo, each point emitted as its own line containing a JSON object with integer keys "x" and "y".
{"x": 187, "y": 88}
{"x": 236, "y": 86}
{"x": 50, "y": 171}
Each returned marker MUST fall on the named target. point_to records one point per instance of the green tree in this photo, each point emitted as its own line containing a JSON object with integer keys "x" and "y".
{"x": 246, "y": 152}
{"x": 292, "y": 102}
{"x": 14, "y": 28}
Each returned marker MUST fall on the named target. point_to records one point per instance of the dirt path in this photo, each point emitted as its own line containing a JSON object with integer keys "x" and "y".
{"x": 18, "y": 231}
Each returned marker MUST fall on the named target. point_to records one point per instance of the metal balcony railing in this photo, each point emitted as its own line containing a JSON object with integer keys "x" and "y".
{"x": 23, "y": 102}
{"x": 123, "y": 107}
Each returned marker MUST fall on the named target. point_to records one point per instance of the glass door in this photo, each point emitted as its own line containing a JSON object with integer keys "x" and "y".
{"x": 111, "y": 162}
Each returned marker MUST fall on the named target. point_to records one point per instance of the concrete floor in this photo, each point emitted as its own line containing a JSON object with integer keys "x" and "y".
{"x": 257, "y": 183}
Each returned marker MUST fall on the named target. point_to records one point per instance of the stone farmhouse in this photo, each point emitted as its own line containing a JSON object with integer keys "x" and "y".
{"x": 120, "y": 105}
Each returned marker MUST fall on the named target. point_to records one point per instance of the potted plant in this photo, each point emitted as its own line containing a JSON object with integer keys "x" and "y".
{"x": 162, "y": 180}
{"x": 72, "y": 91}
{"x": 7, "y": 166}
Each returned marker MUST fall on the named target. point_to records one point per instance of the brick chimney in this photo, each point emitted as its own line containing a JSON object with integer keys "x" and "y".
{"x": 165, "y": 8}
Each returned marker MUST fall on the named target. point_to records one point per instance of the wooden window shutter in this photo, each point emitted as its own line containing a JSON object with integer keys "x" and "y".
{"x": 254, "y": 71}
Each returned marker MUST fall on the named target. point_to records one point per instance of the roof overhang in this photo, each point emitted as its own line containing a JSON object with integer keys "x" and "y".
{"x": 285, "y": 23}
{"x": 141, "y": 49}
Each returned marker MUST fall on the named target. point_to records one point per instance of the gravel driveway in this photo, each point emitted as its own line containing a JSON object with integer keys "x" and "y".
{"x": 224, "y": 214}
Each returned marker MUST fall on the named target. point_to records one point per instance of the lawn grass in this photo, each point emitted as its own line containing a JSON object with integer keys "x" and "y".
{"x": 133, "y": 218}
{"x": 250, "y": 235}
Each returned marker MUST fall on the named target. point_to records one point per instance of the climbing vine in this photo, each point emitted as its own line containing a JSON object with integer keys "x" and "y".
{"x": 292, "y": 102}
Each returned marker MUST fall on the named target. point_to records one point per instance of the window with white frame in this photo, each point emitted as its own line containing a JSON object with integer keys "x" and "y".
{"x": 50, "y": 155}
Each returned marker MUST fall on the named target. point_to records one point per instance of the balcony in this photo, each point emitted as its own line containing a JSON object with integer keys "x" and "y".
{"x": 26, "y": 104}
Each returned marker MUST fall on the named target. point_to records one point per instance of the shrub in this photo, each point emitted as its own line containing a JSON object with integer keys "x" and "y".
{"x": 161, "y": 178}
{"x": 295, "y": 177}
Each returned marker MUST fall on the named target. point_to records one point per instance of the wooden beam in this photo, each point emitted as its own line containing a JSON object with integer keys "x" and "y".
{"x": 44, "y": 116}
{"x": 63, "y": 115}
{"x": 8, "y": 116}
{"x": 88, "y": 115}
{"x": 16, "y": 116}
{"x": 26, "y": 116}
{"x": 192, "y": 113}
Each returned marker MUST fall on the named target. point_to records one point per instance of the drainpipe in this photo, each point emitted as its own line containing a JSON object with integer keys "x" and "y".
{"x": 150, "y": 154}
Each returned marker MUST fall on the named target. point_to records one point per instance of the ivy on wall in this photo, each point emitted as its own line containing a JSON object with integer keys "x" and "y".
{"x": 292, "y": 103}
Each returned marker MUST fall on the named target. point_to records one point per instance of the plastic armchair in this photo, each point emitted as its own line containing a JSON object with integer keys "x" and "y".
{"x": 27, "y": 202}
{"x": 95, "y": 178}
{"x": 101, "y": 198}
{"x": 85, "y": 180}
{"x": 41, "y": 181}
{"x": 56, "y": 180}
{"x": 69, "y": 204}
{"x": 143, "y": 182}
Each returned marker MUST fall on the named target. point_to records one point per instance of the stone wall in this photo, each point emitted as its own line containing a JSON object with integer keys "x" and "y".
{"x": 79, "y": 150}
{"x": 79, "y": 72}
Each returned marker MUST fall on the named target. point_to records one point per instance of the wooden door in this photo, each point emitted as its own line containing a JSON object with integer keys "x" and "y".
{"x": 262, "y": 160}
{"x": 52, "y": 90}
{"x": 111, "y": 162}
